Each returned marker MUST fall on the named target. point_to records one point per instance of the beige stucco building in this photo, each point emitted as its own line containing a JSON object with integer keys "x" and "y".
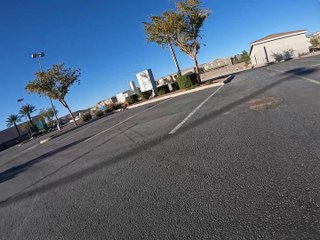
{"x": 288, "y": 45}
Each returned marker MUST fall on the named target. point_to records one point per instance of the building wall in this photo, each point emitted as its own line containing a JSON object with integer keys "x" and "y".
{"x": 121, "y": 97}
{"x": 297, "y": 43}
{"x": 8, "y": 134}
{"x": 146, "y": 81}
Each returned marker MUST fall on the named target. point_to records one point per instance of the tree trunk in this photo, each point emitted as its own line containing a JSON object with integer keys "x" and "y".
{"x": 64, "y": 103}
{"x": 17, "y": 129}
{"x": 174, "y": 57}
{"x": 33, "y": 128}
{"x": 196, "y": 68}
{"x": 55, "y": 114}
{"x": 29, "y": 132}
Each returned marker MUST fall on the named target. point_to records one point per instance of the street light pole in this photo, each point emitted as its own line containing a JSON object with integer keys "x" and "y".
{"x": 38, "y": 55}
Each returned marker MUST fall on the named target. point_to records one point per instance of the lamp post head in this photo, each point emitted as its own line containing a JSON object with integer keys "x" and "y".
{"x": 35, "y": 55}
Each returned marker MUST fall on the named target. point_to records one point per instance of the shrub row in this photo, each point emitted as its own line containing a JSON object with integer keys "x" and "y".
{"x": 111, "y": 108}
{"x": 86, "y": 117}
{"x": 146, "y": 95}
{"x": 163, "y": 90}
{"x": 99, "y": 113}
{"x": 132, "y": 99}
{"x": 187, "y": 81}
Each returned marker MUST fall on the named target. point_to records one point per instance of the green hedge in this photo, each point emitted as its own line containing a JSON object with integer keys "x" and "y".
{"x": 163, "y": 90}
{"x": 99, "y": 113}
{"x": 132, "y": 99}
{"x": 116, "y": 106}
{"x": 187, "y": 81}
{"x": 146, "y": 95}
{"x": 86, "y": 117}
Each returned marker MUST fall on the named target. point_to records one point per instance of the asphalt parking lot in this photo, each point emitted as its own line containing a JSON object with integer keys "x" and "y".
{"x": 241, "y": 161}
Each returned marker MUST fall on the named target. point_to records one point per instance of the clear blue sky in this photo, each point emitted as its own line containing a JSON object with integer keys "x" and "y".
{"x": 107, "y": 41}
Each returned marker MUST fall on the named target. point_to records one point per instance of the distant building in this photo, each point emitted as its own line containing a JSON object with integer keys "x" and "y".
{"x": 289, "y": 44}
{"x": 105, "y": 102}
{"x": 314, "y": 48}
{"x": 315, "y": 35}
{"x": 217, "y": 63}
{"x": 172, "y": 77}
{"x": 146, "y": 81}
{"x": 121, "y": 97}
{"x": 132, "y": 86}
{"x": 9, "y": 137}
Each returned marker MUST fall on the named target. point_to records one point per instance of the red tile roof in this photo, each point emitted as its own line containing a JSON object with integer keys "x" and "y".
{"x": 272, "y": 36}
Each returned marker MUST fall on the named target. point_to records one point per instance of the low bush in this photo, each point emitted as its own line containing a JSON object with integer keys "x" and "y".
{"x": 116, "y": 106}
{"x": 132, "y": 99}
{"x": 163, "y": 90}
{"x": 86, "y": 117}
{"x": 175, "y": 86}
{"x": 108, "y": 109}
{"x": 187, "y": 81}
{"x": 146, "y": 95}
{"x": 209, "y": 82}
{"x": 99, "y": 113}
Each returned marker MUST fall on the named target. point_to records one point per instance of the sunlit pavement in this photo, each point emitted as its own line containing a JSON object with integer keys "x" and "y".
{"x": 244, "y": 163}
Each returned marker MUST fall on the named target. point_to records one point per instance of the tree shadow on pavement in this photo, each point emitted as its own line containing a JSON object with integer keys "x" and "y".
{"x": 123, "y": 156}
{"x": 300, "y": 71}
{"x": 16, "y": 170}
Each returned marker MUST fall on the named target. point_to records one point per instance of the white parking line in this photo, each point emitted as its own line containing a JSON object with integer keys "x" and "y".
{"x": 194, "y": 111}
{"x": 146, "y": 110}
{"x": 80, "y": 130}
{"x": 28, "y": 149}
{"x": 309, "y": 61}
{"x": 294, "y": 75}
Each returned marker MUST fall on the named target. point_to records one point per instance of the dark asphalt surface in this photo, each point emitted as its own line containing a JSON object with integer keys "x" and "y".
{"x": 234, "y": 170}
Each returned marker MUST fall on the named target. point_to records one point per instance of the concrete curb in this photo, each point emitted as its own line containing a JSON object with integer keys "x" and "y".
{"x": 45, "y": 140}
{"x": 180, "y": 93}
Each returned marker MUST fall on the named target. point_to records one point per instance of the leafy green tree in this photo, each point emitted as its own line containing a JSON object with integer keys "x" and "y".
{"x": 26, "y": 111}
{"x": 55, "y": 83}
{"x": 48, "y": 116}
{"x": 12, "y": 120}
{"x": 160, "y": 30}
{"x": 188, "y": 23}
{"x": 245, "y": 57}
{"x": 314, "y": 42}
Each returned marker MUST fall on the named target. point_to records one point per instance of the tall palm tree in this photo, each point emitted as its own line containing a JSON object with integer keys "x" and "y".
{"x": 26, "y": 111}
{"x": 12, "y": 121}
